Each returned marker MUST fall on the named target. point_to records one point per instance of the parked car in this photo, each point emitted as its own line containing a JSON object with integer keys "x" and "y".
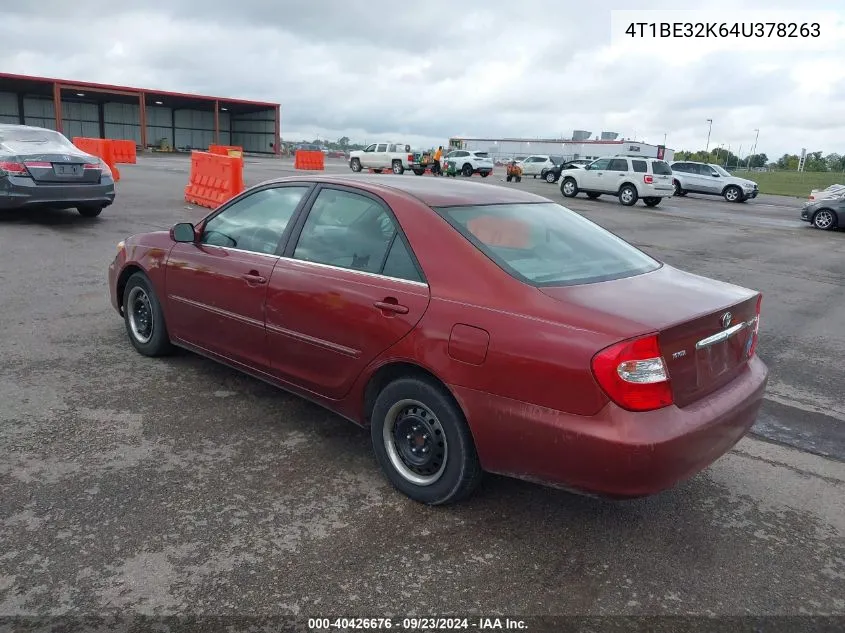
{"x": 630, "y": 179}
{"x": 41, "y": 167}
{"x": 468, "y": 162}
{"x": 706, "y": 178}
{"x": 825, "y": 213}
{"x": 553, "y": 175}
{"x": 396, "y": 157}
{"x": 834, "y": 191}
{"x": 471, "y": 327}
{"x": 537, "y": 165}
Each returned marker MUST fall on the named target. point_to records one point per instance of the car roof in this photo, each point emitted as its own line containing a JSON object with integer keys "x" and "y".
{"x": 434, "y": 192}
{"x": 15, "y": 126}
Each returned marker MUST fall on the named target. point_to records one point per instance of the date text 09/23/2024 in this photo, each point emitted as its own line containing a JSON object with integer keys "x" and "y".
{"x": 724, "y": 29}
{"x": 417, "y": 624}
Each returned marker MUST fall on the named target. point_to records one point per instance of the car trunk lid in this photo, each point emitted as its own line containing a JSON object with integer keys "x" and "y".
{"x": 704, "y": 327}
{"x": 62, "y": 168}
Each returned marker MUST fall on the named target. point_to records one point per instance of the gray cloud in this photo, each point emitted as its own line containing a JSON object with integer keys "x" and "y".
{"x": 426, "y": 71}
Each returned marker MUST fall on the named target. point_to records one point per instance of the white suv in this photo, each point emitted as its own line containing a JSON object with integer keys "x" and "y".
{"x": 628, "y": 178}
{"x": 692, "y": 177}
{"x": 469, "y": 162}
{"x": 538, "y": 165}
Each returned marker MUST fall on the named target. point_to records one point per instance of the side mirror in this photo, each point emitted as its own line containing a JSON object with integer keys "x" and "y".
{"x": 714, "y": 174}
{"x": 183, "y": 232}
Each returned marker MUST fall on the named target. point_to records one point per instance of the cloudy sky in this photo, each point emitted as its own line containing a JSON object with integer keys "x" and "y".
{"x": 421, "y": 72}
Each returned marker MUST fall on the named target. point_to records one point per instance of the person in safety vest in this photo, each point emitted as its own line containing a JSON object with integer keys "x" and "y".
{"x": 436, "y": 168}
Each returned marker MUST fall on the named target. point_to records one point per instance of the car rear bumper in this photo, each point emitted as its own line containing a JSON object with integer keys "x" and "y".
{"x": 615, "y": 453}
{"x": 16, "y": 192}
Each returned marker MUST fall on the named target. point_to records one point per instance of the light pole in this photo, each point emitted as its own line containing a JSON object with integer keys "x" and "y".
{"x": 753, "y": 149}
{"x": 709, "y": 129}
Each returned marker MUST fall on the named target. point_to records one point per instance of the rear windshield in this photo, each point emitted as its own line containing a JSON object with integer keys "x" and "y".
{"x": 29, "y": 135}
{"x": 661, "y": 168}
{"x": 545, "y": 244}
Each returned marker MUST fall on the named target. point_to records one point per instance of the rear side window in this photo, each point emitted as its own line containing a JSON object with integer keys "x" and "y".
{"x": 661, "y": 168}
{"x": 546, "y": 244}
{"x": 618, "y": 164}
{"x": 399, "y": 263}
{"x": 640, "y": 166}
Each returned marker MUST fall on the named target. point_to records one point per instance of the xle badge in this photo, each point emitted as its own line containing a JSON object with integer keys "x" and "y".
{"x": 683, "y": 352}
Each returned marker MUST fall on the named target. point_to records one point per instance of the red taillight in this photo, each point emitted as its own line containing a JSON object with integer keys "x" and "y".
{"x": 755, "y": 333}
{"x": 648, "y": 179}
{"x": 91, "y": 166}
{"x": 410, "y": 158}
{"x": 632, "y": 374}
{"x": 13, "y": 169}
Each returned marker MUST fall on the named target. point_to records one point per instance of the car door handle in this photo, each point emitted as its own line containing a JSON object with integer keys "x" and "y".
{"x": 391, "y": 306}
{"x": 253, "y": 277}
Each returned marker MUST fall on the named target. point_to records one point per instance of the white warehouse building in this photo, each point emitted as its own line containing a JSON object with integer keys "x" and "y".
{"x": 508, "y": 148}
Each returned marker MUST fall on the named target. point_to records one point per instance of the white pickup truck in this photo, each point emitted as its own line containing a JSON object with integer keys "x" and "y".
{"x": 382, "y": 156}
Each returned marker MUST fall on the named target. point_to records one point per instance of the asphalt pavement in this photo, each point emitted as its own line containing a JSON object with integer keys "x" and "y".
{"x": 181, "y": 486}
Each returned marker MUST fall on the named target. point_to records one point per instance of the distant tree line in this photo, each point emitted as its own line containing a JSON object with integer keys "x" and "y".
{"x": 815, "y": 161}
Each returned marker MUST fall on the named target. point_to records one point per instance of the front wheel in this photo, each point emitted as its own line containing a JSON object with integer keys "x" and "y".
{"x": 550, "y": 177}
{"x": 144, "y": 317}
{"x": 628, "y": 195}
{"x": 568, "y": 188}
{"x": 733, "y": 194}
{"x": 422, "y": 442}
{"x": 824, "y": 219}
{"x": 355, "y": 165}
{"x": 91, "y": 211}
{"x": 398, "y": 167}
{"x": 652, "y": 201}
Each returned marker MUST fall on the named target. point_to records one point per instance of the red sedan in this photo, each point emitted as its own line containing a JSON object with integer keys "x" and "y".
{"x": 471, "y": 327}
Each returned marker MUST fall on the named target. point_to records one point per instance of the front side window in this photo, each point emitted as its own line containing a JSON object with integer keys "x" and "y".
{"x": 347, "y": 230}
{"x": 255, "y": 223}
{"x": 546, "y": 244}
{"x": 370, "y": 148}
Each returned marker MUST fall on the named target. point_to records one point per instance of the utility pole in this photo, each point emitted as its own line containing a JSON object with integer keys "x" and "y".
{"x": 709, "y": 129}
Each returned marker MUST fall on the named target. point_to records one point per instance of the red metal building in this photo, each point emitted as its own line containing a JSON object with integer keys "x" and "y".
{"x": 150, "y": 117}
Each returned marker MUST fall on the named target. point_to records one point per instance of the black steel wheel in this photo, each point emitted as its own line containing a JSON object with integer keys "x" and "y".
{"x": 422, "y": 442}
{"x": 144, "y": 317}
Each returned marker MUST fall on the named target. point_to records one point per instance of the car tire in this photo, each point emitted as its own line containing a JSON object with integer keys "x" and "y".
{"x": 733, "y": 194}
{"x": 593, "y": 196}
{"x": 90, "y": 211}
{"x": 355, "y": 165}
{"x": 678, "y": 190}
{"x": 824, "y": 220}
{"x": 550, "y": 177}
{"x": 377, "y": 171}
{"x": 419, "y": 172}
{"x": 509, "y": 178}
{"x": 652, "y": 201}
{"x": 398, "y": 167}
{"x": 411, "y": 415}
{"x": 144, "y": 317}
{"x": 569, "y": 188}
{"x": 628, "y": 195}
{"x": 484, "y": 174}
{"x": 466, "y": 170}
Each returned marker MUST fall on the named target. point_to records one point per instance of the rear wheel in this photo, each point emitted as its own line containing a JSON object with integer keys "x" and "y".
{"x": 466, "y": 170}
{"x": 144, "y": 317}
{"x": 484, "y": 174}
{"x": 89, "y": 211}
{"x": 628, "y": 195}
{"x": 569, "y": 188}
{"x": 678, "y": 189}
{"x": 419, "y": 172}
{"x": 422, "y": 442}
{"x": 733, "y": 194}
{"x": 398, "y": 167}
{"x": 824, "y": 219}
{"x": 355, "y": 165}
{"x": 593, "y": 196}
{"x": 651, "y": 201}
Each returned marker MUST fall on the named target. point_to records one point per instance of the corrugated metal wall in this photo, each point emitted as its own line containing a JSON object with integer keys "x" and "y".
{"x": 9, "y": 108}
{"x": 183, "y": 129}
{"x": 254, "y": 132}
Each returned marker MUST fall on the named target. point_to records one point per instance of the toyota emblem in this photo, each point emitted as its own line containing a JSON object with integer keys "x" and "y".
{"x": 726, "y": 319}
